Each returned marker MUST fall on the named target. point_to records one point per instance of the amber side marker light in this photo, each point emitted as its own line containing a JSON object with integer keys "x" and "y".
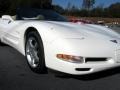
{"x": 70, "y": 58}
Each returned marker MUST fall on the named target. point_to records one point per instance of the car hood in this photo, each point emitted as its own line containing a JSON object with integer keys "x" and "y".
{"x": 72, "y": 30}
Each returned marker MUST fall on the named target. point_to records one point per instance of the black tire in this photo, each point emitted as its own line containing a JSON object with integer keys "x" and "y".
{"x": 40, "y": 65}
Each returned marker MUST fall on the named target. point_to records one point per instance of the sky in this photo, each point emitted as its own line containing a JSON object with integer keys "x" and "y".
{"x": 78, "y": 3}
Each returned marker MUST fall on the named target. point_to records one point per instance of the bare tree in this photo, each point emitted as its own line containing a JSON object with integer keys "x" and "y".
{"x": 88, "y": 4}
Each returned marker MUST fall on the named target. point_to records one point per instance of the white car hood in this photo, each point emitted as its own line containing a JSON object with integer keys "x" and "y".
{"x": 72, "y": 30}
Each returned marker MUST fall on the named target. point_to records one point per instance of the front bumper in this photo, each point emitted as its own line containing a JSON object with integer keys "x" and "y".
{"x": 86, "y": 68}
{"x": 98, "y": 49}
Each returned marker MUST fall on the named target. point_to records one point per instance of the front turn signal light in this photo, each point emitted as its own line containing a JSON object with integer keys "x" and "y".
{"x": 70, "y": 58}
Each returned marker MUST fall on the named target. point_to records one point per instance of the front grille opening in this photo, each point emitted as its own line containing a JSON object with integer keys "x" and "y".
{"x": 95, "y": 59}
{"x": 82, "y": 69}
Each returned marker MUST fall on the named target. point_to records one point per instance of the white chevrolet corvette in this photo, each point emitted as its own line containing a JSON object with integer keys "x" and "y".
{"x": 48, "y": 40}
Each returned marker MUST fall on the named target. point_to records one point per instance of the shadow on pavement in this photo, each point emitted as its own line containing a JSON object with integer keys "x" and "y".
{"x": 2, "y": 44}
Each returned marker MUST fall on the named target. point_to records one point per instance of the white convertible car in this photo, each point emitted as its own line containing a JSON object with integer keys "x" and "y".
{"x": 48, "y": 40}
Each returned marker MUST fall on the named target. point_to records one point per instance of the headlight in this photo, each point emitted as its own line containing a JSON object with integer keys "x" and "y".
{"x": 70, "y": 58}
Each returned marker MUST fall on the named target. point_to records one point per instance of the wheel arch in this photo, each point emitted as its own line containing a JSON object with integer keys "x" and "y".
{"x": 29, "y": 29}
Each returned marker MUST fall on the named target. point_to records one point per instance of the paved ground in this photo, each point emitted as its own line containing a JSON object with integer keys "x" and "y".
{"x": 16, "y": 75}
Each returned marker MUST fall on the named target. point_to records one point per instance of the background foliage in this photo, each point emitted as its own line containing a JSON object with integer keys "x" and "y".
{"x": 10, "y": 6}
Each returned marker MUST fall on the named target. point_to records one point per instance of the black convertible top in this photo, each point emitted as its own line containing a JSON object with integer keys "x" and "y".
{"x": 48, "y": 14}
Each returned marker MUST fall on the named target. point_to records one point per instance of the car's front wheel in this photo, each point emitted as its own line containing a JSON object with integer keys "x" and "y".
{"x": 35, "y": 52}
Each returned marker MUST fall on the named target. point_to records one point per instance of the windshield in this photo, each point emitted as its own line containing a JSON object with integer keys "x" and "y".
{"x": 39, "y": 14}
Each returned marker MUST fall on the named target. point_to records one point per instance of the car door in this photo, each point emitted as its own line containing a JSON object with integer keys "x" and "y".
{"x": 8, "y": 32}
{"x": 4, "y": 26}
